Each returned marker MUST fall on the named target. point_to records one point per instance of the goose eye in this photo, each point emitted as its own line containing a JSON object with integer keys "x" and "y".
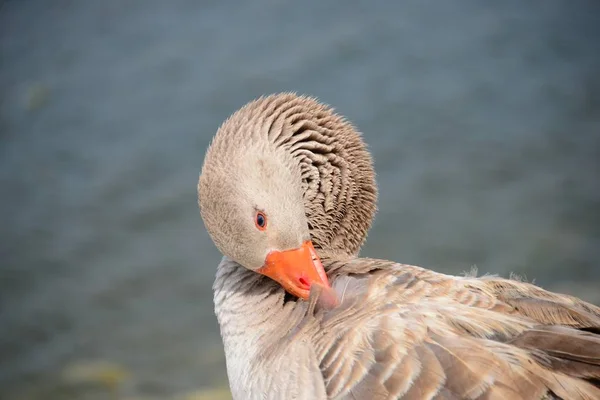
{"x": 261, "y": 221}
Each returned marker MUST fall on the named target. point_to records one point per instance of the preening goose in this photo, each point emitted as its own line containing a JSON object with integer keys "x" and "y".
{"x": 287, "y": 193}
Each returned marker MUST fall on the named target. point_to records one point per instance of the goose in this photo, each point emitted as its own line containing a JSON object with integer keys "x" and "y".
{"x": 287, "y": 193}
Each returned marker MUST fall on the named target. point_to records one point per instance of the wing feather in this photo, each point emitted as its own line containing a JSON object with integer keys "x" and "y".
{"x": 406, "y": 332}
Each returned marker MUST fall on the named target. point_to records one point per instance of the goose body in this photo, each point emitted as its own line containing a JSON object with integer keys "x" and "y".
{"x": 287, "y": 193}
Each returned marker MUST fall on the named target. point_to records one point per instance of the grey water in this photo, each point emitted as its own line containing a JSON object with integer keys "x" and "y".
{"x": 483, "y": 119}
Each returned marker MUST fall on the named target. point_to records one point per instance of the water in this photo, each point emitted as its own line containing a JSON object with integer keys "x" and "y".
{"x": 484, "y": 121}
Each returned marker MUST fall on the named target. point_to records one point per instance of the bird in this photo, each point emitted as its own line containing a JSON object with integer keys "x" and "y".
{"x": 287, "y": 193}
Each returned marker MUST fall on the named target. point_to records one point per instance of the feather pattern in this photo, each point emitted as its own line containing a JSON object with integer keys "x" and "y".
{"x": 419, "y": 334}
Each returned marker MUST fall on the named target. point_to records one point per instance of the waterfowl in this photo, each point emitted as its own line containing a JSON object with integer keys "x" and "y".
{"x": 287, "y": 193}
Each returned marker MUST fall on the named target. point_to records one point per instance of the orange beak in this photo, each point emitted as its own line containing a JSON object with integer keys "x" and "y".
{"x": 296, "y": 270}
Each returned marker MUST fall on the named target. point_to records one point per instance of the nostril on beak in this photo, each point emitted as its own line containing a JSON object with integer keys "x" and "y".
{"x": 304, "y": 282}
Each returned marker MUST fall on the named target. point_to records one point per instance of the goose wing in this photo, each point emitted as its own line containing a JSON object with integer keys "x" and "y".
{"x": 407, "y": 332}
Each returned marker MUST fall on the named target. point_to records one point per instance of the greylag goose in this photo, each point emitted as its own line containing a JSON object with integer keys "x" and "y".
{"x": 287, "y": 193}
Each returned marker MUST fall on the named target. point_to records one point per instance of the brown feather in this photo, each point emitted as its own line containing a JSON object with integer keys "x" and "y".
{"x": 464, "y": 338}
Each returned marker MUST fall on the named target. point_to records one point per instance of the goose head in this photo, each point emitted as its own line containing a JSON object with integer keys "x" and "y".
{"x": 284, "y": 180}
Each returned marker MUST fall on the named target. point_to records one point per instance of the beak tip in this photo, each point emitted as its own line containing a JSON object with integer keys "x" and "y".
{"x": 327, "y": 297}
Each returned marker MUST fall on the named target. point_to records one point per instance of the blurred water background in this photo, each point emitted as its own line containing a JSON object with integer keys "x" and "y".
{"x": 483, "y": 118}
